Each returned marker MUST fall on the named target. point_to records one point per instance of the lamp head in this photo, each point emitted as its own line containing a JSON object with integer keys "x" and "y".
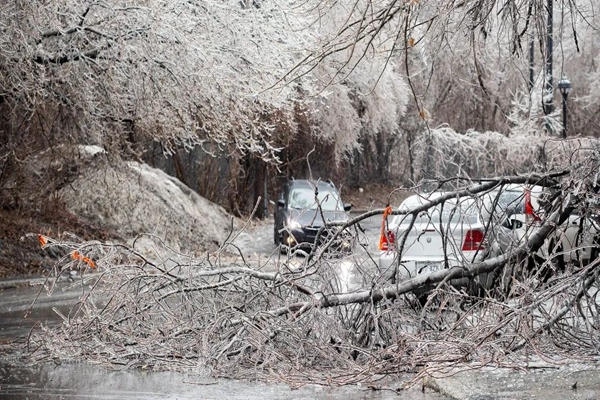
{"x": 564, "y": 86}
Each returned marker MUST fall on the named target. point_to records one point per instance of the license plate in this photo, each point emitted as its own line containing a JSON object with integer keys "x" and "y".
{"x": 428, "y": 266}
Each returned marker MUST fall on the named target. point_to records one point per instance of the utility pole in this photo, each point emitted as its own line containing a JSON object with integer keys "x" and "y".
{"x": 549, "y": 91}
{"x": 531, "y": 53}
{"x": 531, "y": 61}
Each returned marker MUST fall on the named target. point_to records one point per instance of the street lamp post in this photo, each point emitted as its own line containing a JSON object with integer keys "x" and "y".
{"x": 565, "y": 88}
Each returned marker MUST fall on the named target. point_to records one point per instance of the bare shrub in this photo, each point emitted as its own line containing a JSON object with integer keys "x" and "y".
{"x": 444, "y": 153}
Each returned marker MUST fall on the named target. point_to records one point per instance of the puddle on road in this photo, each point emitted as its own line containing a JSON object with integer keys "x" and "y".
{"x": 85, "y": 381}
{"x": 20, "y": 380}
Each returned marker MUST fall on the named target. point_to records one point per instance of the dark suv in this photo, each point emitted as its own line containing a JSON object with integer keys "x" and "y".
{"x": 303, "y": 208}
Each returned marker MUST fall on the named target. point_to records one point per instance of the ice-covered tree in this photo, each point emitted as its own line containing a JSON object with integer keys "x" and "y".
{"x": 468, "y": 61}
{"x": 183, "y": 72}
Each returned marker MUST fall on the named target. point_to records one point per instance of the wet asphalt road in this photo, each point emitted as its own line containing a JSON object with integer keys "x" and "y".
{"x": 19, "y": 380}
{"x": 257, "y": 240}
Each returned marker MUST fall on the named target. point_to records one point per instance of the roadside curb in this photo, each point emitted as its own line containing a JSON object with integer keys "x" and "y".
{"x": 543, "y": 381}
{"x": 16, "y": 283}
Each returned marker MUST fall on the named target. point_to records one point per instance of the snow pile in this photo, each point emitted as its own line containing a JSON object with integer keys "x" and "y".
{"x": 132, "y": 199}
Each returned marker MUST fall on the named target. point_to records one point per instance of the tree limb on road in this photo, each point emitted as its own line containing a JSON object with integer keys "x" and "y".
{"x": 303, "y": 322}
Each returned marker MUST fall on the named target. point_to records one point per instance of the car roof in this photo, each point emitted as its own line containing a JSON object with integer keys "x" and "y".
{"x": 424, "y": 198}
{"x": 305, "y": 183}
{"x": 519, "y": 187}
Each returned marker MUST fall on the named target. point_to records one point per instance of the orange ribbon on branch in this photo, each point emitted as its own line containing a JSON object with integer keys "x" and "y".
{"x": 43, "y": 241}
{"x": 75, "y": 255}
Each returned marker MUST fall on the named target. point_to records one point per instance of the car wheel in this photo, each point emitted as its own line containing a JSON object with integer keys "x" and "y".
{"x": 537, "y": 266}
{"x": 283, "y": 246}
{"x": 422, "y": 299}
{"x": 557, "y": 260}
{"x": 476, "y": 288}
{"x": 276, "y": 236}
{"x": 503, "y": 281}
{"x": 546, "y": 268}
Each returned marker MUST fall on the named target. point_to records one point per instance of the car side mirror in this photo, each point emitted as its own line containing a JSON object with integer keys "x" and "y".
{"x": 280, "y": 203}
{"x": 347, "y": 206}
{"x": 512, "y": 224}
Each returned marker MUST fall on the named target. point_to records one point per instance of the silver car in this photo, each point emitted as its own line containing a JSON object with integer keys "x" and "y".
{"x": 575, "y": 240}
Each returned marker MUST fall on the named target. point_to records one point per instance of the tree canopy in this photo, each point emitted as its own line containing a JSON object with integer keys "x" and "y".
{"x": 182, "y": 72}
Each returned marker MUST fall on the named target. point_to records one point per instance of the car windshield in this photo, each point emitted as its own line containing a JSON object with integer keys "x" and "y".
{"x": 508, "y": 202}
{"x": 304, "y": 199}
{"x": 511, "y": 200}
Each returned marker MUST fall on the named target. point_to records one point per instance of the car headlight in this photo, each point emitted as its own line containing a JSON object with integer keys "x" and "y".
{"x": 294, "y": 224}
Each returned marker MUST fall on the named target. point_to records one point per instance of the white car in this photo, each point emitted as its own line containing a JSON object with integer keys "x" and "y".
{"x": 453, "y": 233}
{"x": 468, "y": 230}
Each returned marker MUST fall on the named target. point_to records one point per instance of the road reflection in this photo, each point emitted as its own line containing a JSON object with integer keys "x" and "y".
{"x": 84, "y": 381}
{"x": 61, "y": 379}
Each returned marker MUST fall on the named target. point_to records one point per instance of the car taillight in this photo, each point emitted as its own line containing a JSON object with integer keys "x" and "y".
{"x": 387, "y": 238}
{"x": 387, "y": 241}
{"x": 530, "y": 214}
{"x": 474, "y": 240}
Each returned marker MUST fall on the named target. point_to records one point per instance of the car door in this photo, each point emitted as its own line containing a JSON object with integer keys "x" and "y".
{"x": 281, "y": 208}
{"x": 522, "y": 212}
